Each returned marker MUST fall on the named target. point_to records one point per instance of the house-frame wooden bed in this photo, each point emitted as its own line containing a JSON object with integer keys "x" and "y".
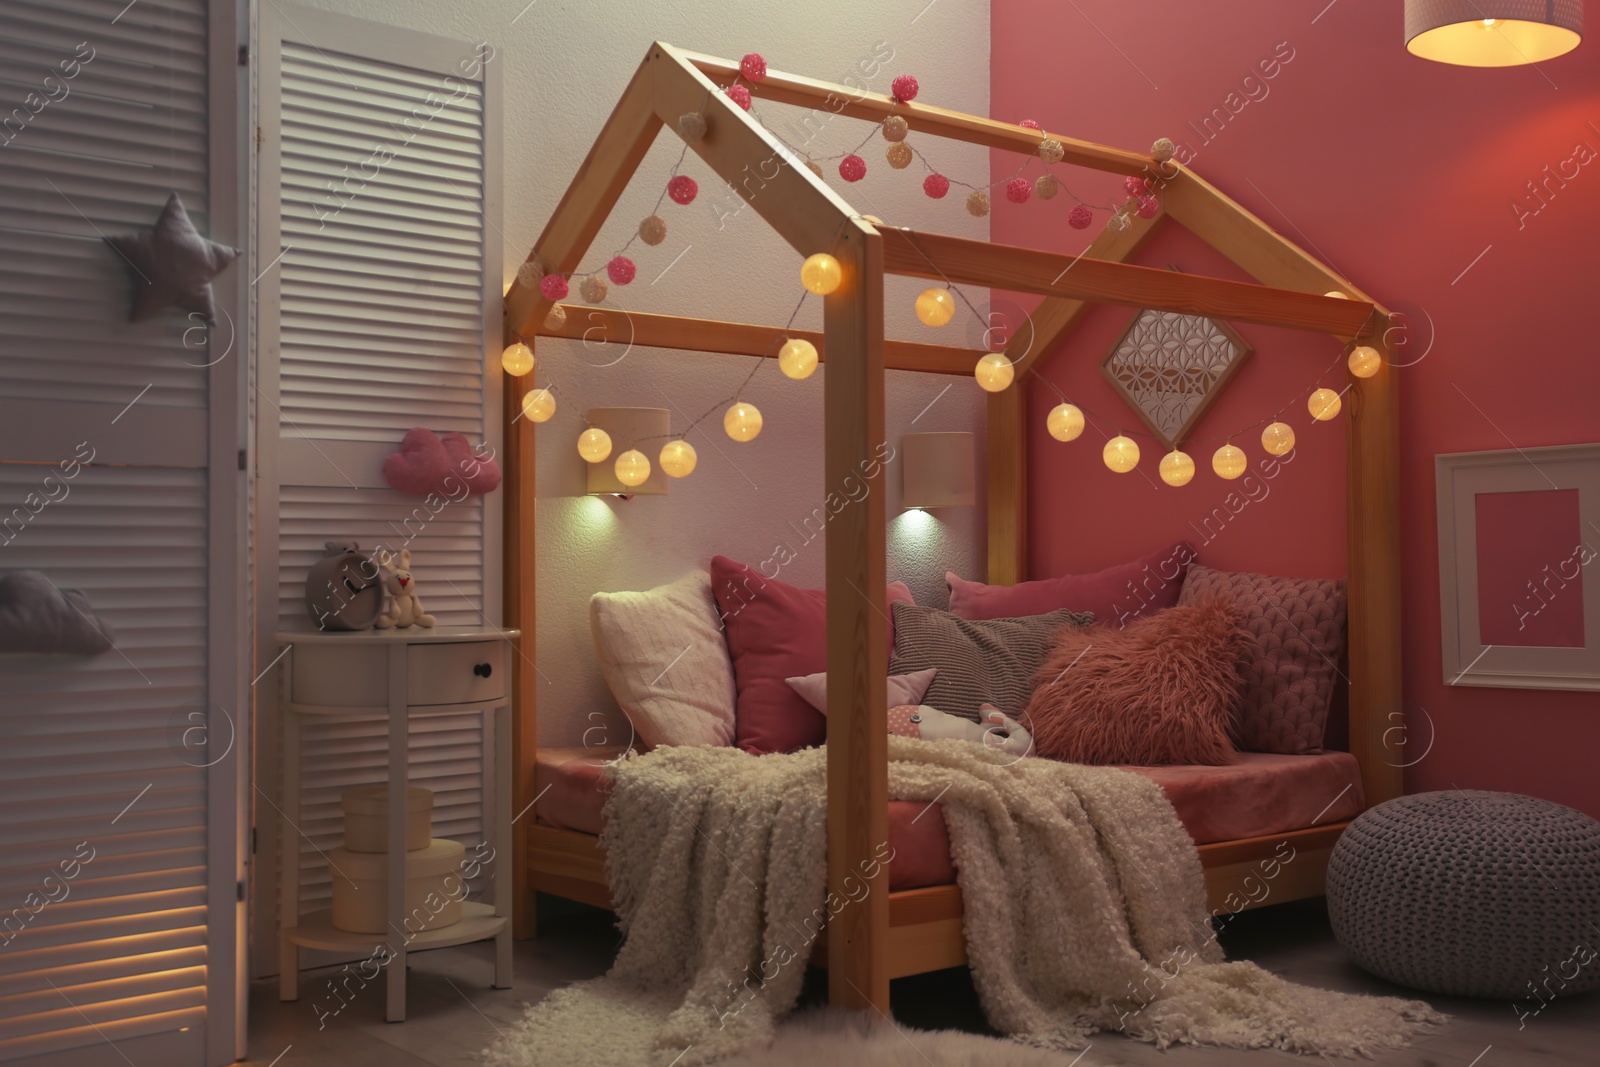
{"x": 890, "y": 934}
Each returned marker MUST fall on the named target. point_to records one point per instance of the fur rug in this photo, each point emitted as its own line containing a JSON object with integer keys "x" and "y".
{"x": 1085, "y": 911}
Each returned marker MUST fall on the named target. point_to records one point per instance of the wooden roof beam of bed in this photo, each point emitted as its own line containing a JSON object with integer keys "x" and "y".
{"x": 785, "y": 88}
{"x": 1028, "y": 270}
{"x": 611, "y": 326}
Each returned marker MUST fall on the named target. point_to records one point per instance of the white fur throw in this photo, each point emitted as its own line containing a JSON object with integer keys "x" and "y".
{"x": 1085, "y": 911}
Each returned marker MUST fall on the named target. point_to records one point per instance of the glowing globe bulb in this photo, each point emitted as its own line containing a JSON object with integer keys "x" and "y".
{"x": 994, "y": 372}
{"x": 678, "y": 458}
{"x": 935, "y": 307}
{"x": 1065, "y": 422}
{"x": 1337, "y": 295}
{"x": 594, "y": 444}
{"x": 539, "y": 405}
{"x": 1177, "y": 468}
{"x": 821, "y": 274}
{"x": 742, "y": 422}
{"x": 632, "y": 468}
{"x": 1365, "y": 361}
{"x": 1324, "y": 404}
{"x": 1278, "y": 438}
{"x": 1121, "y": 454}
{"x": 1229, "y": 462}
{"x": 517, "y": 359}
{"x": 797, "y": 358}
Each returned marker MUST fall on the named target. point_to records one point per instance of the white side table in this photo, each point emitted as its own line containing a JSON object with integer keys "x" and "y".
{"x": 396, "y": 674}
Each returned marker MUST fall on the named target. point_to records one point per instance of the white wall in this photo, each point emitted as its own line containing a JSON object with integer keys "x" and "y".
{"x": 565, "y": 64}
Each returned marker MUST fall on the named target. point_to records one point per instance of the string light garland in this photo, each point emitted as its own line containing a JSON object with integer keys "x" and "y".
{"x": 594, "y": 444}
{"x": 1229, "y": 462}
{"x": 1324, "y": 404}
{"x": 1176, "y": 468}
{"x": 899, "y": 155}
{"x": 994, "y": 372}
{"x": 678, "y": 458}
{"x": 821, "y": 274}
{"x": 517, "y": 359}
{"x": 538, "y": 405}
{"x": 1065, "y": 422}
{"x": 797, "y": 358}
{"x": 1121, "y": 454}
{"x": 1278, "y": 439}
{"x": 935, "y": 307}
{"x": 742, "y": 421}
{"x": 1364, "y": 361}
{"x": 632, "y": 468}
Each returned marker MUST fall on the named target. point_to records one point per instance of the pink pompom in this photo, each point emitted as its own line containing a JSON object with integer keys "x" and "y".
{"x": 1018, "y": 190}
{"x": 753, "y": 66}
{"x": 936, "y": 185}
{"x": 553, "y": 286}
{"x": 1149, "y": 207}
{"x": 739, "y": 95}
{"x": 1136, "y": 186}
{"x": 1029, "y": 124}
{"x": 1080, "y": 217}
{"x": 904, "y": 88}
{"x": 621, "y": 270}
{"x": 682, "y": 189}
{"x": 852, "y": 168}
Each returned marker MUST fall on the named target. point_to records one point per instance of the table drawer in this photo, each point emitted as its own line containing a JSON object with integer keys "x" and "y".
{"x": 472, "y": 672}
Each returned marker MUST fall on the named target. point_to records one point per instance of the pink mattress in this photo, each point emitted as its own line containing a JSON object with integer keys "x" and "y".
{"x": 1260, "y": 794}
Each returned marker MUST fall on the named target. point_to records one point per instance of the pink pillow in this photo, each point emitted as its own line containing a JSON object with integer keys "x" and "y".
{"x": 1116, "y": 595}
{"x": 775, "y": 631}
{"x": 903, "y": 688}
{"x": 1159, "y": 691}
{"x": 428, "y": 463}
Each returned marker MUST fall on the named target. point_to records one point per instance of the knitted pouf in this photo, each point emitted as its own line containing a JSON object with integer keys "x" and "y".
{"x": 1470, "y": 893}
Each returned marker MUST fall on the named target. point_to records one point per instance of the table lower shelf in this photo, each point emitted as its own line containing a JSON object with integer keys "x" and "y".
{"x": 316, "y": 930}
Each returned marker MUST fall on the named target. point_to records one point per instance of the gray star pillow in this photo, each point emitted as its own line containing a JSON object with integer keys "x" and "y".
{"x": 36, "y": 616}
{"x": 173, "y": 265}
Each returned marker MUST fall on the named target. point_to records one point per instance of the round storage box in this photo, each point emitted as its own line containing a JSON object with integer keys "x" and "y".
{"x": 435, "y": 888}
{"x": 366, "y": 818}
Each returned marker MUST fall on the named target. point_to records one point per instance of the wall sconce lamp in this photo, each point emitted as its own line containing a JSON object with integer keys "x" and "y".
{"x": 938, "y": 470}
{"x": 1493, "y": 33}
{"x": 634, "y": 432}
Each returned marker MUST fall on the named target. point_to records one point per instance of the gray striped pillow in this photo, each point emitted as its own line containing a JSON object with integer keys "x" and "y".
{"x": 978, "y": 661}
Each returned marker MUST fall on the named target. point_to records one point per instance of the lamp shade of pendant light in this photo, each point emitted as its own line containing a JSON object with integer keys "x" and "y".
{"x": 1493, "y": 33}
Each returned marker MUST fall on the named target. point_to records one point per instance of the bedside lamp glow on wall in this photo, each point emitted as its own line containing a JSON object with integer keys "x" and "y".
{"x": 937, "y": 470}
{"x": 634, "y": 435}
{"x": 1493, "y": 33}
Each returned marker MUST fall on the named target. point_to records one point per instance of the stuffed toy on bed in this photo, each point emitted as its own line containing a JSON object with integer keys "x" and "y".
{"x": 997, "y": 730}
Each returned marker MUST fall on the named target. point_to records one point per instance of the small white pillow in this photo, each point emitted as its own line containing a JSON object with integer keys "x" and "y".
{"x": 663, "y": 654}
{"x": 903, "y": 688}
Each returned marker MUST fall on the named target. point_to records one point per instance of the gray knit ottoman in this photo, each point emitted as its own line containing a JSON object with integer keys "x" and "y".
{"x": 1470, "y": 893}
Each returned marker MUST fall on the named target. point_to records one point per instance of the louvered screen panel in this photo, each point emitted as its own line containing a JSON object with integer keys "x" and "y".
{"x": 381, "y": 329}
{"x": 93, "y": 763}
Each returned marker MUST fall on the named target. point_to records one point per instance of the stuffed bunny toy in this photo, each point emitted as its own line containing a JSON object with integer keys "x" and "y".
{"x": 997, "y": 730}
{"x": 405, "y": 608}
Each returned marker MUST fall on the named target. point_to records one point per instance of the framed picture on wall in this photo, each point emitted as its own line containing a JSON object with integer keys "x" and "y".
{"x": 1519, "y": 531}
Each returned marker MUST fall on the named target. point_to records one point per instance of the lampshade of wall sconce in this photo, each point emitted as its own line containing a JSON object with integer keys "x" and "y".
{"x": 938, "y": 470}
{"x": 647, "y": 430}
{"x": 1492, "y": 33}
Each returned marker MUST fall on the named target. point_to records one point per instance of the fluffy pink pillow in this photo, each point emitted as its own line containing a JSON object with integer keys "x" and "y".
{"x": 775, "y": 631}
{"x": 1160, "y": 690}
{"x": 1116, "y": 595}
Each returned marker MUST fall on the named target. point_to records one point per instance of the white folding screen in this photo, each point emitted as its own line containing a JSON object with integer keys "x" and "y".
{"x": 121, "y": 858}
{"x": 379, "y": 311}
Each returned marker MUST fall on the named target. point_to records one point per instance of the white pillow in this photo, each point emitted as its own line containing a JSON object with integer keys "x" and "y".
{"x": 903, "y": 688}
{"x": 663, "y": 655}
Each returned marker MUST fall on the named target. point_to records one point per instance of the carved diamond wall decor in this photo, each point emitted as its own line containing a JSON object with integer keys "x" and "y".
{"x": 1170, "y": 367}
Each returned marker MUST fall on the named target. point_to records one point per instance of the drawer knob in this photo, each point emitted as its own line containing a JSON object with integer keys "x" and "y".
{"x": 483, "y": 670}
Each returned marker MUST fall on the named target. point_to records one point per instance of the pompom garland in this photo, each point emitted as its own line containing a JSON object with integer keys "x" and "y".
{"x": 814, "y": 168}
{"x": 682, "y": 189}
{"x": 852, "y": 168}
{"x": 1135, "y": 185}
{"x": 1051, "y": 150}
{"x": 557, "y": 317}
{"x": 1029, "y": 124}
{"x": 1149, "y": 207}
{"x": 1163, "y": 149}
{"x": 936, "y": 185}
{"x": 753, "y": 66}
{"x": 621, "y": 270}
{"x": 1018, "y": 190}
{"x": 1080, "y": 217}
{"x": 1045, "y": 186}
{"x": 653, "y": 230}
{"x": 553, "y": 286}
{"x": 895, "y": 128}
{"x": 978, "y": 203}
{"x": 528, "y": 274}
{"x": 899, "y": 155}
{"x": 904, "y": 88}
{"x": 739, "y": 95}
{"x": 1118, "y": 222}
{"x": 691, "y": 126}
{"x": 593, "y": 289}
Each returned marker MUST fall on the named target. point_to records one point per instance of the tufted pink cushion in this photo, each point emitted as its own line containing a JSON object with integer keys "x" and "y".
{"x": 1297, "y": 627}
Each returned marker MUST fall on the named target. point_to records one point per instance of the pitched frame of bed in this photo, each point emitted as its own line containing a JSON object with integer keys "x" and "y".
{"x": 890, "y": 934}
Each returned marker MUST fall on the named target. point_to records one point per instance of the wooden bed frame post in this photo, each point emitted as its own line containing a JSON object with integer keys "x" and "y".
{"x": 520, "y": 565}
{"x": 1007, "y": 488}
{"x": 858, "y": 657}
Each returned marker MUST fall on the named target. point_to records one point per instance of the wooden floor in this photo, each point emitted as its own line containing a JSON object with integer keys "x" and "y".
{"x": 454, "y": 1013}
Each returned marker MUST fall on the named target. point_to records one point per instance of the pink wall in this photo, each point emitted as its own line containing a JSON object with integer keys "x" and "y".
{"x": 1406, "y": 176}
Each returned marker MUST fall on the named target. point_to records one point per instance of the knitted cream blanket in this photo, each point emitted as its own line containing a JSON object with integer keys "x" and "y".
{"x": 1085, "y": 911}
